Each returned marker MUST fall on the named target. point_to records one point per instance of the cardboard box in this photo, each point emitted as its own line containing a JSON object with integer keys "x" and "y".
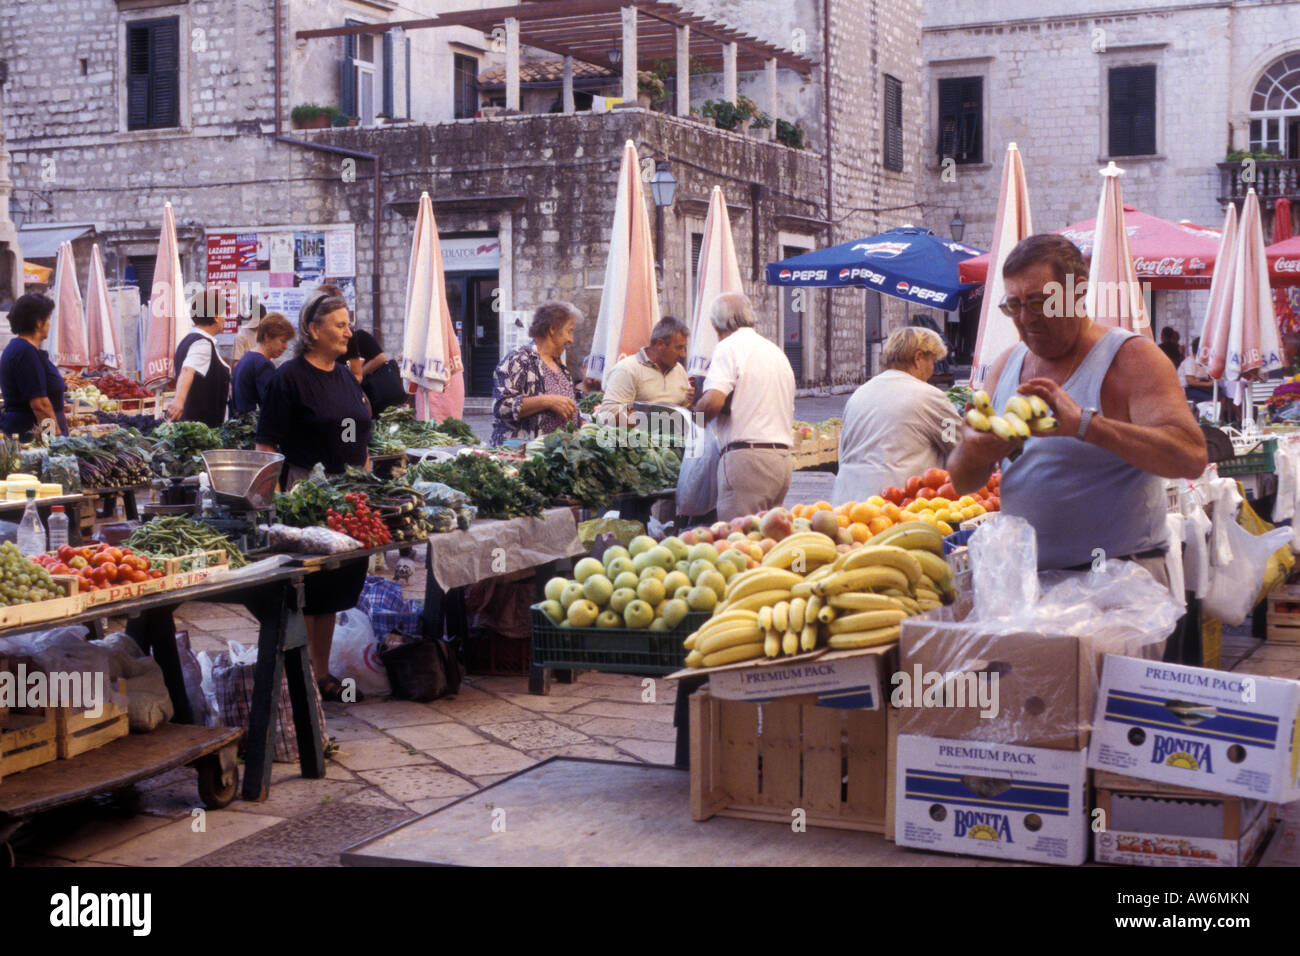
{"x": 1211, "y": 730}
{"x": 1045, "y": 685}
{"x": 857, "y": 680}
{"x": 1160, "y": 829}
{"x": 995, "y": 800}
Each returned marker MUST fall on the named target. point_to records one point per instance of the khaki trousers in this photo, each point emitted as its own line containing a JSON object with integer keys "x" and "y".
{"x": 752, "y": 480}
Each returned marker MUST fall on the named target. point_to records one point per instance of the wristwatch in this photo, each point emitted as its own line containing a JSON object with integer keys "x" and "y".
{"x": 1084, "y": 421}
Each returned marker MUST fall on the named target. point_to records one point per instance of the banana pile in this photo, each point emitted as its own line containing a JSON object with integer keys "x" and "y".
{"x": 1025, "y": 415}
{"x": 806, "y": 595}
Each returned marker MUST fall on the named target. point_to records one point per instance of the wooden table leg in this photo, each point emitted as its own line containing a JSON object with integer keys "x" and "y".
{"x": 128, "y": 505}
{"x": 155, "y": 632}
{"x": 281, "y": 653}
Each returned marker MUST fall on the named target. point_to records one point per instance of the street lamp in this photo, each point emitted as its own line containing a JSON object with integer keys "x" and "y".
{"x": 957, "y": 227}
{"x": 663, "y": 186}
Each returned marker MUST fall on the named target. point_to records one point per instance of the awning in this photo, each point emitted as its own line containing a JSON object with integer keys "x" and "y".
{"x": 42, "y": 241}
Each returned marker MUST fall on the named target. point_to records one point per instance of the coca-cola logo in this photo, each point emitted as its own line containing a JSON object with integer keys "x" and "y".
{"x": 1283, "y": 264}
{"x": 1168, "y": 266}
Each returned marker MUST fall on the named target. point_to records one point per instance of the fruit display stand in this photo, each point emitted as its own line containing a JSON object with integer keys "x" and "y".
{"x": 815, "y": 452}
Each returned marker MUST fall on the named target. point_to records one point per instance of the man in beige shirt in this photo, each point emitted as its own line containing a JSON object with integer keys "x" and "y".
{"x": 654, "y": 375}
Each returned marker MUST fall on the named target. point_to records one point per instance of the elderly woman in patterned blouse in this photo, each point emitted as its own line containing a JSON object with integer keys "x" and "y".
{"x": 533, "y": 392}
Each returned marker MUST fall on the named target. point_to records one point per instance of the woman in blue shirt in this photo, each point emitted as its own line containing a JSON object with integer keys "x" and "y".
{"x": 32, "y": 388}
{"x": 255, "y": 368}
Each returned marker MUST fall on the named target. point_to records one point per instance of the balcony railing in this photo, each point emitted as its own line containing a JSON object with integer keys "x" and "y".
{"x": 1271, "y": 179}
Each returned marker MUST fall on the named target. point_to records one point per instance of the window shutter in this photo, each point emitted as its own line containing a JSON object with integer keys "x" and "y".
{"x": 407, "y": 112}
{"x": 893, "y": 124}
{"x": 949, "y": 108}
{"x": 347, "y": 81}
{"x": 388, "y": 74}
{"x": 164, "y": 99}
{"x": 1132, "y": 111}
{"x": 137, "y": 77}
{"x": 970, "y": 121}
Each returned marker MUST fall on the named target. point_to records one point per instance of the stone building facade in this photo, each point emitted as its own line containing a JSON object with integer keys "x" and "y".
{"x": 540, "y": 187}
{"x": 1047, "y": 67}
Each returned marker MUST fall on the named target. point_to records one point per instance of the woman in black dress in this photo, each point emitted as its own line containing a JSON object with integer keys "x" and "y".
{"x": 315, "y": 412}
{"x": 32, "y": 388}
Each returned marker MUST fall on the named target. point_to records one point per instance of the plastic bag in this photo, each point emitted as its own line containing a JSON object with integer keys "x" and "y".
{"x": 355, "y": 653}
{"x": 148, "y": 701}
{"x": 34, "y": 461}
{"x": 233, "y": 678}
{"x": 63, "y": 470}
{"x": 308, "y": 540}
{"x": 61, "y": 649}
{"x": 436, "y": 493}
{"x": 1234, "y": 588}
{"x": 1004, "y": 565}
{"x": 697, "y": 480}
{"x": 193, "y": 676}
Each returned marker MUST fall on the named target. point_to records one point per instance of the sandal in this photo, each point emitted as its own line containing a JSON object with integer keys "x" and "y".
{"x": 331, "y": 689}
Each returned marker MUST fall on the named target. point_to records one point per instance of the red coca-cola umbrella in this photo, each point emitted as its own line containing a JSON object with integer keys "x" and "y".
{"x": 1286, "y": 299}
{"x": 1168, "y": 255}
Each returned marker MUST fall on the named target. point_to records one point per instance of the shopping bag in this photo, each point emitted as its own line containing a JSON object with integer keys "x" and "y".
{"x": 422, "y": 670}
{"x": 355, "y": 653}
{"x": 697, "y": 480}
{"x": 232, "y": 677}
{"x": 384, "y": 387}
{"x": 1234, "y": 587}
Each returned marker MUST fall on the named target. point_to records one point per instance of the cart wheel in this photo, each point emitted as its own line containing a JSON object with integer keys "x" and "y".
{"x": 8, "y": 860}
{"x": 217, "y": 783}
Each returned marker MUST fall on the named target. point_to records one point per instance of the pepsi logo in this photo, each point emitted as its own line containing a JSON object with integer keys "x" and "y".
{"x": 784, "y": 274}
{"x": 903, "y": 287}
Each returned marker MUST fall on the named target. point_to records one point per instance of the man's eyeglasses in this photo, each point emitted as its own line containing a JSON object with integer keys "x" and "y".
{"x": 1036, "y": 305}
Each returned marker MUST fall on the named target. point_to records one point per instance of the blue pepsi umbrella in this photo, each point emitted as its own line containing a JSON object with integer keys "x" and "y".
{"x": 909, "y": 263}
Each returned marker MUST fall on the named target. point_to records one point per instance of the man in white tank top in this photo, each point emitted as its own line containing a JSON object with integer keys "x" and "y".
{"x": 1123, "y": 421}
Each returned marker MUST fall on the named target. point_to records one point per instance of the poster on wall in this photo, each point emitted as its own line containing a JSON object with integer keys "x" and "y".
{"x": 279, "y": 266}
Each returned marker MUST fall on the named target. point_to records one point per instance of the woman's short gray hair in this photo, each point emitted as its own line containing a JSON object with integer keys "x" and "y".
{"x": 551, "y": 317}
{"x": 320, "y": 303}
{"x": 731, "y": 311}
{"x": 902, "y": 346}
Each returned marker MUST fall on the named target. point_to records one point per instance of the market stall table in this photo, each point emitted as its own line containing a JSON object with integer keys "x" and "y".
{"x": 489, "y": 548}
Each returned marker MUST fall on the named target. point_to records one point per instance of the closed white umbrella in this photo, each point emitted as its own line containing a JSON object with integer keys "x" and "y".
{"x": 67, "y": 323}
{"x": 169, "y": 317}
{"x": 997, "y": 332}
{"x": 1254, "y": 348}
{"x": 719, "y": 272}
{"x": 1114, "y": 295}
{"x": 430, "y": 351}
{"x": 1213, "y": 353}
{"x": 101, "y": 327}
{"x": 629, "y": 301}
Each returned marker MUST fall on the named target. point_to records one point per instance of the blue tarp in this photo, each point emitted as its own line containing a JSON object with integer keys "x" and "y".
{"x": 909, "y": 263}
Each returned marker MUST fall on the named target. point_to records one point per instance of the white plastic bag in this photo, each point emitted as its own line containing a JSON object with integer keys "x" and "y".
{"x": 355, "y": 654}
{"x": 697, "y": 480}
{"x": 1235, "y": 586}
{"x": 1004, "y": 565}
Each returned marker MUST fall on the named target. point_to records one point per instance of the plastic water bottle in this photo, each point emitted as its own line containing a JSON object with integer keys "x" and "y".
{"x": 58, "y": 527}
{"x": 31, "y": 533}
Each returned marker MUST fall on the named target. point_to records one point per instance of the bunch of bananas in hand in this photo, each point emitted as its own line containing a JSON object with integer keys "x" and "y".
{"x": 1025, "y": 415}
{"x": 807, "y": 595}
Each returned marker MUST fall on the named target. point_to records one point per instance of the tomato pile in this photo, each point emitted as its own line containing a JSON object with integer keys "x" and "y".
{"x": 119, "y": 386}
{"x": 99, "y": 567}
{"x": 935, "y": 484}
{"x": 358, "y": 521}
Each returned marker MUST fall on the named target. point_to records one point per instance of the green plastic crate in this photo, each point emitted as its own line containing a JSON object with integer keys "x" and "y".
{"x": 1258, "y": 460}
{"x": 607, "y": 649}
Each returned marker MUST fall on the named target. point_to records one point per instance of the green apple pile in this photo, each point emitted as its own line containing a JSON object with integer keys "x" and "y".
{"x": 647, "y": 585}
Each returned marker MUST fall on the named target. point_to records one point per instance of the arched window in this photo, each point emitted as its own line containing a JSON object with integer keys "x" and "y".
{"x": 1275, "y": 109}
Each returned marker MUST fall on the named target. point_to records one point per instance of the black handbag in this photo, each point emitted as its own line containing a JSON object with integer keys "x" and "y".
{"x": 422, "y": 670}
{"x": 384, "y": 387}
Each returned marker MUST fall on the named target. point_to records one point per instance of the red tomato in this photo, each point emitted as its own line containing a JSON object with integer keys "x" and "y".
{"x": 115, "y": 554}
{"x": 156, "y": 573}
{"x": 927, "y": 493}
{"x": 949, "y": 492}
{"x": 892, "y": 494}
{"x": 912, "y": 487}
{"x": 109, "y": 570}
{"x": 101, "y": 559}
{"x": 60, "y": 568}
{"x": 934, "y": 478}
{"x": 994, "y": 504}
{"x": 67, "y": 553}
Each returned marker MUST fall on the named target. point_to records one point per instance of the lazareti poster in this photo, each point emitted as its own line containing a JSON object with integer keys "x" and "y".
{"x": 279, "y": 265}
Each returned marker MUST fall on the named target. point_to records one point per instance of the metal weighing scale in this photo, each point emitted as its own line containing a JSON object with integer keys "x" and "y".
{"x": 243, "y": 486}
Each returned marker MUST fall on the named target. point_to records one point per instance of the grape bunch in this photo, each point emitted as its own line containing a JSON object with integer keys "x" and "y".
{"x": 358, "y": 521}
{"x": 21, "y": 581}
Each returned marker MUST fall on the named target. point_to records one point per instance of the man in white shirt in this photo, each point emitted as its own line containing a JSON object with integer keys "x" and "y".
{"x": 202, "y": 376}
{"x": 749, "y": 389}
{"x": 654, "y": 375}
{"x": 1195, "y": 377}
{"x": 896, "y": 425}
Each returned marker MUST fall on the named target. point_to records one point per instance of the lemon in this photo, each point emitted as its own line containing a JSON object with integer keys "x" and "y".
{"x": 945, "y": 528}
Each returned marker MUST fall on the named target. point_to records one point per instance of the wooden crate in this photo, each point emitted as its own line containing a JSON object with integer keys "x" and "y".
{"x": 39, "y": 612}
{"x": 830, "y": 763}
{"x": 1211, "y": 642}
{"x": 27, "y": 740}
{"x": 1284, "y": 614}
{"x": 78, "y": 732}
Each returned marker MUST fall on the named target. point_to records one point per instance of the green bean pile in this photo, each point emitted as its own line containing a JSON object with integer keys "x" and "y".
{"x": 177, "y": 536}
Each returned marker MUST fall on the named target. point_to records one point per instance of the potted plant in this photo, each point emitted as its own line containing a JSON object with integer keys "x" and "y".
{"x": 724, "y": 114}
{"x": 789, "y": 134}
{"x": 312, "y": 116}
{"x": 760, "y": 122}
{"x": 650, "y": 90}
{"x": 343, "y": 119}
